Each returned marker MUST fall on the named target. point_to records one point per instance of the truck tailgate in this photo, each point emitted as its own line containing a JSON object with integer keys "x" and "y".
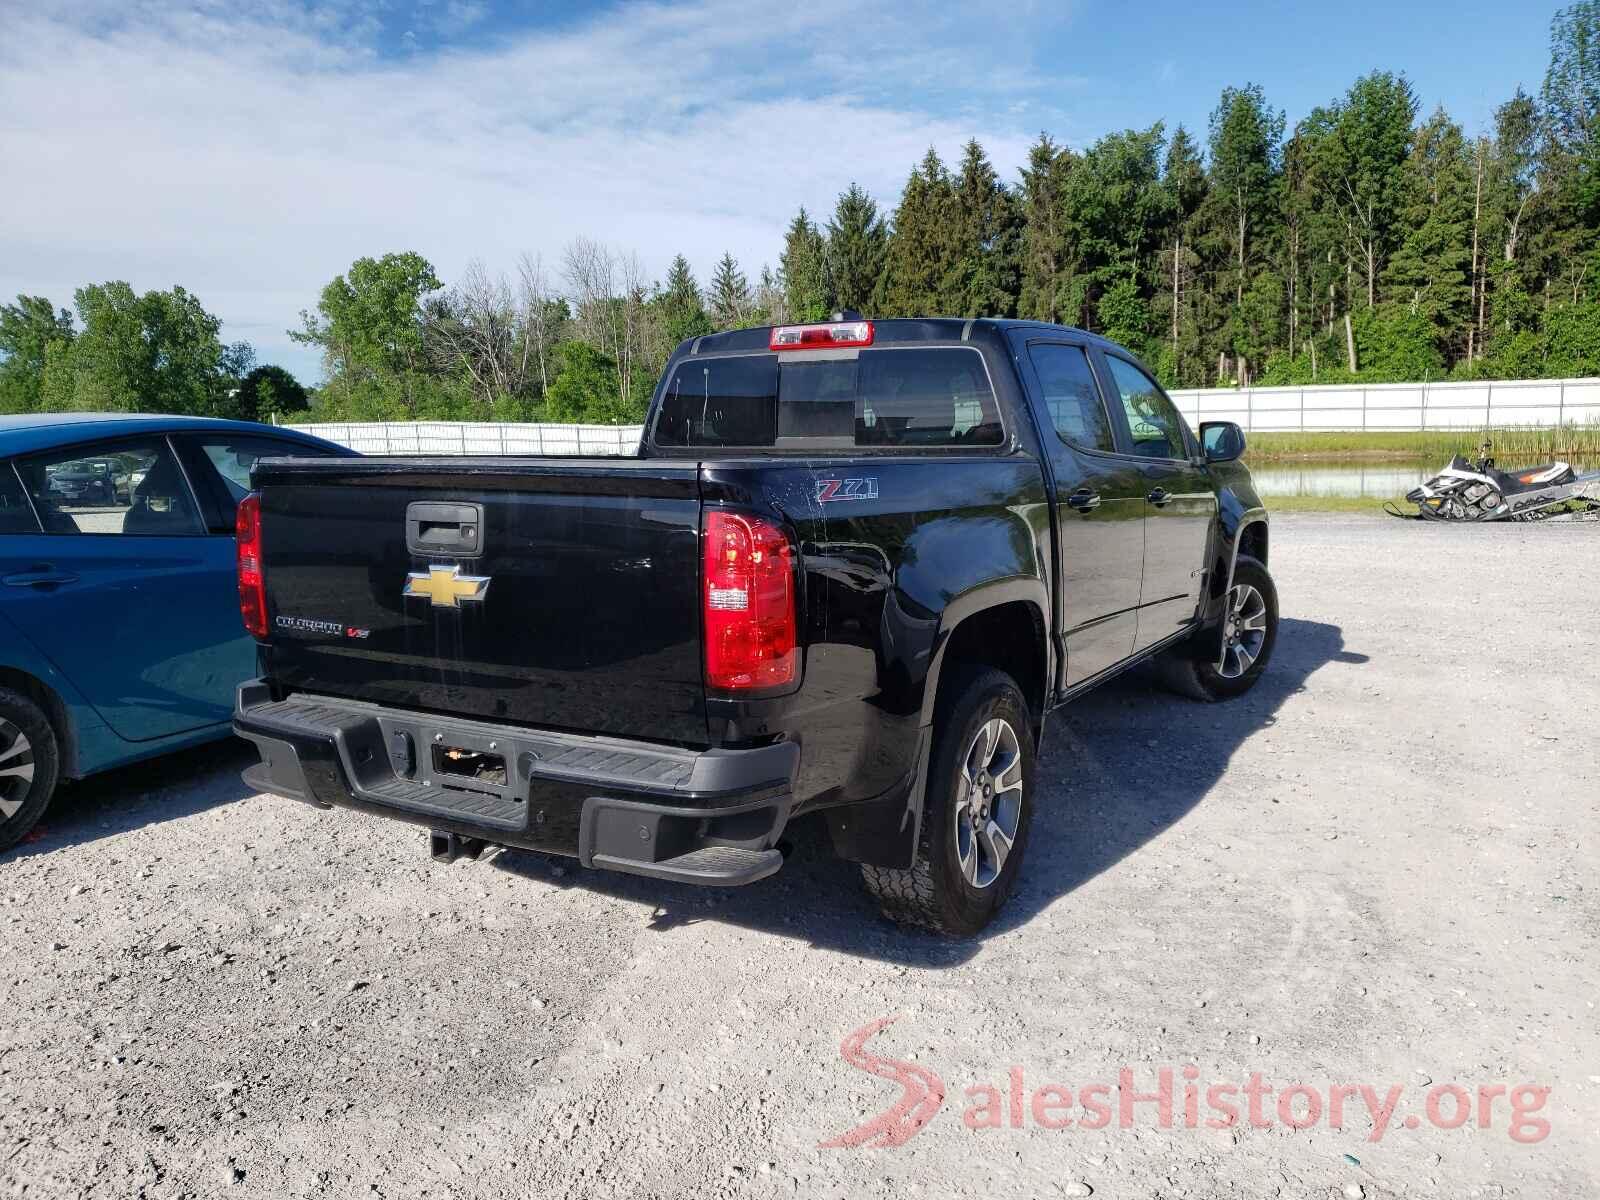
{"x": 577, "y": 608}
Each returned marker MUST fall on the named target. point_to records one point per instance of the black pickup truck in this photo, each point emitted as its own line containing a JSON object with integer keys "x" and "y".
{"x": 851, "y": 569}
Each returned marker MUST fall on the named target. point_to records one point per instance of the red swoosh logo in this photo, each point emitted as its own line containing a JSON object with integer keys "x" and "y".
{"x": 922, "y": 1093}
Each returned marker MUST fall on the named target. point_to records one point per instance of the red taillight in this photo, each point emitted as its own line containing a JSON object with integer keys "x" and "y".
{"x": 821, "y": 337}
{"x": 748, "y": 598}
{"x": 252, "y": 585}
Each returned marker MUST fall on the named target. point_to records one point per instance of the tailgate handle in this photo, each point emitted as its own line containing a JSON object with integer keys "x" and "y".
{"x": 437, "y": 528}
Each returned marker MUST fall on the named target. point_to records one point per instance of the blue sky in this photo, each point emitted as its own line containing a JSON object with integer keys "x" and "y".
{"x": 251, "y": 149}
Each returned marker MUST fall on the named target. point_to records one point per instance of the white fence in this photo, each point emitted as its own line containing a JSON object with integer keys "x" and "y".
{"x": 1398, "y": 406}
{"x": 1344, "y": 407}
{"x": 476, "y": 437}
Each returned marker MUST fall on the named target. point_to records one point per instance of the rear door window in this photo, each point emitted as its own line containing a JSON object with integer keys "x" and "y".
{"x": 131, "y": 488}
{"x": 1071, "y": 395}
{"x": 937, "y": 397}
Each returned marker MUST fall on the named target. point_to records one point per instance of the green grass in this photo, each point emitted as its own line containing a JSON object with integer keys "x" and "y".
{"x": 1531, "y": 444}
{"x": 1331, "y": 504}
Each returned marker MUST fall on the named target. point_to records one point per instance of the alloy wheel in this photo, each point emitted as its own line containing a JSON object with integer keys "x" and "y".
{"x": 1244, "y": 630}
{"x": 16, "y": 769}
{"x": 989, "y": 808}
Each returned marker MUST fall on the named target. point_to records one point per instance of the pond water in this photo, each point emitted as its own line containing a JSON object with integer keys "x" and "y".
{"x": 1375, "y": 479}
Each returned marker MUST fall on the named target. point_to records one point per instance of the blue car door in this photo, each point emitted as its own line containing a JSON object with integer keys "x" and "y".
{"x": 132, "y": 596}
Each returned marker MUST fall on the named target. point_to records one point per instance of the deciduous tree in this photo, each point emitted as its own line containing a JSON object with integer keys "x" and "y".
{"x": 28, "y": 329}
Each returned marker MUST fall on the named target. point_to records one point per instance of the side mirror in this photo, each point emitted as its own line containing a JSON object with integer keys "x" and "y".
{"x": 1223, "y": 441}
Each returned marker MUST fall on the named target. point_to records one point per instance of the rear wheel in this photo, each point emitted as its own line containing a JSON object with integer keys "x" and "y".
{"x": 975, "y": 813}
{"x": 28, "y": 766}
{"x": 1249, "y": 631}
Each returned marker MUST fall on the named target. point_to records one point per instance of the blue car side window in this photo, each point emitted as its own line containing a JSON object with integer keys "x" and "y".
{"x": 134, "y": 488}
{"x": 229, "y": 459}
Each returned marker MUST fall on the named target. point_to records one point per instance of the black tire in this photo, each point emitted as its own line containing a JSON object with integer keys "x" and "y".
{"x": 1192, "y": 670}
{"x": 29, "y": 766}
{"x": 935, "y": 892}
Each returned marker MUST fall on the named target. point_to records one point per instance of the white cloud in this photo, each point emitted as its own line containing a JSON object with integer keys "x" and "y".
{"x": 251, "y": 153}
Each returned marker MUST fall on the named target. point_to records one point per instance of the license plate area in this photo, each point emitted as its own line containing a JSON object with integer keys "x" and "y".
{"x": 468, "y": 768}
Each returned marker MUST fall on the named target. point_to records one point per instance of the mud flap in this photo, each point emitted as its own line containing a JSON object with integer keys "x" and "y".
{"x": 883, "y": 832}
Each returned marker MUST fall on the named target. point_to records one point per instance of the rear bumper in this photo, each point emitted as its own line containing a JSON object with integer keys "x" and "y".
{"x": 710, "y": 816}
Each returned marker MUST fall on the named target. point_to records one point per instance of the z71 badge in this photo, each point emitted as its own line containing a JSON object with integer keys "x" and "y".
{"x": 830, "y": 491}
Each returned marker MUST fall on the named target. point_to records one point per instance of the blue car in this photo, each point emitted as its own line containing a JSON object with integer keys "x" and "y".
{"x": 120, "y": 635}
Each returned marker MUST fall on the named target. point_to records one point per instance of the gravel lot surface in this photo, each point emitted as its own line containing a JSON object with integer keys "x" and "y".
{"x": 1379, "y": 868}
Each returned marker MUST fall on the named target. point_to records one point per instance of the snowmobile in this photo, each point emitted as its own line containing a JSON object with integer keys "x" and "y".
{"x": 1477, "y": 491}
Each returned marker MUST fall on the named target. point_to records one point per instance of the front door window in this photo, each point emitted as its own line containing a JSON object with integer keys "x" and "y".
{"x": 1156, "y": 427}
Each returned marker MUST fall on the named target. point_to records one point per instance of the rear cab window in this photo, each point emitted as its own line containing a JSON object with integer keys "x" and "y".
{"x": 879, "y": 398}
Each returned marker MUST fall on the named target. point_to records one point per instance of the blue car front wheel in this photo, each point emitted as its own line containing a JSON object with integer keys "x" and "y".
{"x": 29, "y": 763}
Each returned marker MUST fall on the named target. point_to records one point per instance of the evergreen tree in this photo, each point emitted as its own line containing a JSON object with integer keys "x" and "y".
{"x": 1428, "y": 273}
{"x": 1571, "y": 93}
{"x": 771, "y": 307}
{"x": 1363, "y": 167}
{"x": 683, "y": 312}
{"x": 1044, "y": 255}
{"x": 1513, "y": 205}
{"x": 803, "y": 270}
{"x": 981, "y": 279}
{"x": 1567, "y": 245}
{"x": 1183, "y": 177}
{"x": 858, "y": 242}
{"x": 1245, "y": 139}
{"x": 922, "y": 247}
{"x": 729, "y": 300}
{"x": 1307, "y": 255}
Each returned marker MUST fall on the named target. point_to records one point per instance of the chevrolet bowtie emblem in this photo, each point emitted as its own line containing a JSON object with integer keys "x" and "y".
{"x": 446, "y": 587}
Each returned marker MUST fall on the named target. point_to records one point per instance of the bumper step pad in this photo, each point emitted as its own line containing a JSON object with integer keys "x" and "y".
{"x": 709, "y": 866}
{"x": 708, "y": 817}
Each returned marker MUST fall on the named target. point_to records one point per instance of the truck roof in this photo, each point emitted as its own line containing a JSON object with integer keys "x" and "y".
{"x": 891, "y": 330}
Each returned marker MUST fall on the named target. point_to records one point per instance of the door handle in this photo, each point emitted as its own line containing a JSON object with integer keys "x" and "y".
{"x": 447, "y": 529}
{"x": 1085, "y": 499}
{"x": 39, "y": 576}
{"x": 1159, "y": 497}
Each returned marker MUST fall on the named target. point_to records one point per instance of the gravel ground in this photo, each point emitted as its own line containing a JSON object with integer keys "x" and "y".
{"x": 1378, "y": 868}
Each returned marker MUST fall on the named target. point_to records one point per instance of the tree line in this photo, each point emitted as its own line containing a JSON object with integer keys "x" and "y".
{"x": 1369, "y": 241}
{"x": 126, "y": 352}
